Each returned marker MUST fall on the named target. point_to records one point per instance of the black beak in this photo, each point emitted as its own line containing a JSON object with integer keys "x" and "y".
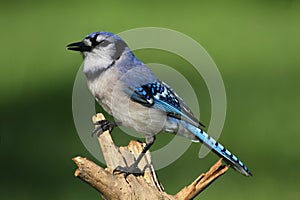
{"x": 78, "y": 46}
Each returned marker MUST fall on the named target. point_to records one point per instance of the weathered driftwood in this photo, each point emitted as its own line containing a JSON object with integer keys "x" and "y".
{"x": 116, "y": 186}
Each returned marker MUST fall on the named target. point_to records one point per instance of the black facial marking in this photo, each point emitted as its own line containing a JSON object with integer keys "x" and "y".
{"x": 95, "y": 43}
{"x": 93, "y": 40}
{"x": 120, "y": 45}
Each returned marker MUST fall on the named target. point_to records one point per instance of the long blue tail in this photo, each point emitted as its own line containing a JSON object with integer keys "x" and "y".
{"x": 218, "y": 148}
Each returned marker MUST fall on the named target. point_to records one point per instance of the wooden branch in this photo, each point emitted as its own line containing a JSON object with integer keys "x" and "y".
{"x": 116, "y": 186}
{"x": 203, "y": 181}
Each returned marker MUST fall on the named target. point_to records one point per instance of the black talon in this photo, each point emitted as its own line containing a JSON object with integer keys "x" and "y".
{"x": 103, "y": 125}
{"x": 133, "y": 169}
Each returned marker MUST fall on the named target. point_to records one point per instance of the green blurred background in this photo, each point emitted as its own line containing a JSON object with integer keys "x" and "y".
{"x": 255, "y": 45}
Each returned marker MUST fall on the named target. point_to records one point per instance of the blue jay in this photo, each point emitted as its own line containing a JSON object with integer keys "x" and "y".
{"x": 128, "y": 90}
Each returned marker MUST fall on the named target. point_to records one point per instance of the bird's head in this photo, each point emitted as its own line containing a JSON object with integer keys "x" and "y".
{"x": 105, "y": 45}
{"x": 100, "y": 51}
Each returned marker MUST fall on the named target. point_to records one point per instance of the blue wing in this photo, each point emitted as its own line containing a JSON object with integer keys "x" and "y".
{"x": 160, "y": 96}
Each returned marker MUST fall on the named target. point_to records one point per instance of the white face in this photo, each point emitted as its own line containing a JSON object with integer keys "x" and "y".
{"x": 101, "y": 51}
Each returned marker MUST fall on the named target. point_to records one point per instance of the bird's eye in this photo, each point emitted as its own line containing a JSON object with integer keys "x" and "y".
{"x": 104, "y": 43}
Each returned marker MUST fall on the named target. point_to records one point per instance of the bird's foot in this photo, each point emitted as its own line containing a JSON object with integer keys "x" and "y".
{"x": 132, "y": 169}
{"x": 103, "y": 125}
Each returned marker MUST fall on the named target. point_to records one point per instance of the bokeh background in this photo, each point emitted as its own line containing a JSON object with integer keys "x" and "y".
{"x": 255, "y": 45}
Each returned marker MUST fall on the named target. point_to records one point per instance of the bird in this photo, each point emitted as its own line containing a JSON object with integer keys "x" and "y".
{"x": 130, "y": 92}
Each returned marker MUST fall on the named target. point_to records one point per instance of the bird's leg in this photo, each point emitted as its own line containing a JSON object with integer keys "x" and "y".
{"x": 133, "y": 169}
{"x": 104, "y": 125}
